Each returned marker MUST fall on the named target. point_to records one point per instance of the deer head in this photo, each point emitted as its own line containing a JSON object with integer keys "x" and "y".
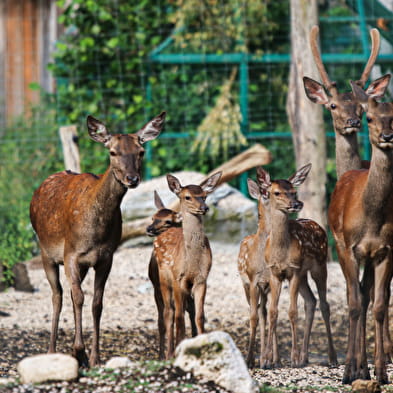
{"x": 346, "y": 111}
{"x": 193, "y": 197}
{"x": 127, "y": 166}
{"x": 379, "y": 114}
{"x": 163, "y": 219}
{"x": 282, "y": 193}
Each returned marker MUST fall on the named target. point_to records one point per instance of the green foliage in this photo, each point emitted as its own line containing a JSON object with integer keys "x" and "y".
{"x": 28, "y": 153}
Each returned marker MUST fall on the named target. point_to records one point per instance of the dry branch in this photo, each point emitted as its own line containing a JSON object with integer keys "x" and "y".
{"x": 254, "y": 156}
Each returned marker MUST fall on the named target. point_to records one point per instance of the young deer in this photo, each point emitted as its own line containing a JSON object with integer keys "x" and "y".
{"x": 163, "y": 220}
{"x": 184, "y": 260}
{"x": 77, "y": 219}
{"x": 345, "y": 110}
{"x": 361, "y": 219}
{"x": 255, "y": 274}
{"x": 294, "y": 248}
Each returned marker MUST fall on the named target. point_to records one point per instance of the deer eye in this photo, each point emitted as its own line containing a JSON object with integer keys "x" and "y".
{"x": 168, "y": 222}
{"x": 188, "y": 198}
{"x": 333, "y": 106}
{"x": 369, "y": 119}
{"x": 141, "y": 154}
{"x": 276, "y": 193}
{"x": 112, "y": 153}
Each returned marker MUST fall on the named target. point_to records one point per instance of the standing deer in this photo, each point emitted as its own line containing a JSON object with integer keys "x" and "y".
{"x": 163, "y": 220}
{"x": 184, "y": 260}
{"x": 255, "y": 274}
{"x": 78, "y": 222}
{"x": 346, "y": 113}
{"x": 361, "y": 219}
{"x": 294, "y": 248}
{"x": 345, "y": 110}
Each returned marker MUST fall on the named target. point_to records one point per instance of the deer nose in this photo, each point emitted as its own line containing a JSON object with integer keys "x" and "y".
{"x": 353, "y": 122}
{"x": 298, "y": 205}
{"x": 133, "y": 181}
{"x": 205, "y": 209}
{"x": 387, "y": 137}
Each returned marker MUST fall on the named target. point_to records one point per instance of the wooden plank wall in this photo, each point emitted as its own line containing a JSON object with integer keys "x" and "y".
{"x": 26, "y": 41}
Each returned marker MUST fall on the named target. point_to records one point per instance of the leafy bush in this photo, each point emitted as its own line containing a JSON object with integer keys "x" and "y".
{"x": 29, "y": 152}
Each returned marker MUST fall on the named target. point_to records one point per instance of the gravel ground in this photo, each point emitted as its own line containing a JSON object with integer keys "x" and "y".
{"x": 129, "y": 324}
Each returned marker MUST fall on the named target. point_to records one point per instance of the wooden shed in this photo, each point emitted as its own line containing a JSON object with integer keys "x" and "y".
{"x": 28, "y": 31}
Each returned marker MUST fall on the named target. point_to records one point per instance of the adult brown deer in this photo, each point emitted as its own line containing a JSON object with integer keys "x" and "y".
{"x": 361, "y": 219}
{"x": 345, "y": 110}
{"x": 255, "y": 274}
{"x": 163, "y": 220}
{"x": 77, "y": 219}
{"x": 184, "y": 260}
{"x": 294, "y": 248}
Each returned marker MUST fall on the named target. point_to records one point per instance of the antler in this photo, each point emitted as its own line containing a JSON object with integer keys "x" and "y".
{"x": 330, "y": 86}
{"x": 375, "y": 44}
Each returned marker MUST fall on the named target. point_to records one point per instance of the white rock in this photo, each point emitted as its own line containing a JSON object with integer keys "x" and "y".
{"x": 118, "y": 362}
{"x": 215, "y": 357}
{"x": 48, "y": 367}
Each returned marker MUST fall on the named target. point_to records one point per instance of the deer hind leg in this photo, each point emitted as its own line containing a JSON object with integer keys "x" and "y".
{"x": 101, "y": 275}
{"x": 190, "y": 307}
{"x": 53, "y": 276}
{"x": 75, "y": 275}
{"x": 168, "y": 315}
{"x": 320, "y": 278}
{"x": 293, "y": 314}
{"x": 253, "y": 300}
{"x": 309, "y": 310}
{"x": 155, "y": 279}
{"x": 387, "y": 341}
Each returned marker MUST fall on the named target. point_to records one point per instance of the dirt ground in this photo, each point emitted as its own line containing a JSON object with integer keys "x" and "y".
{"x": 129, "y": 316}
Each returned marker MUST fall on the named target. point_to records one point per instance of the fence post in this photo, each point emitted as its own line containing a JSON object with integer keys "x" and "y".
{"x": 69, "y": 141}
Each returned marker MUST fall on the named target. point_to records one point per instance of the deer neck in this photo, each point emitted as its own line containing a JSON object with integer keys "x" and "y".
{"x": 263, "y": 222}
{"x": 379, "y": 187}
{"x": 279, "y": 233}
{"x": 347, "y": 153}
{"x": 193, "y": 233}
{"x": 109, "y": 192}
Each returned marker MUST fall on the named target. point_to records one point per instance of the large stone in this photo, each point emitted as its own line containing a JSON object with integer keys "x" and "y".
{"x": 119, "y": 362}
{"x": 48, "y": 367}
{"x": 231, "y": 216}
{"x": 21, "y": 278}
{"x": 215, "y": 357}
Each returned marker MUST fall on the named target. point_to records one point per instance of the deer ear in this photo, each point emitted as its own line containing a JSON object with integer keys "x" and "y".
{"x": 211, "y": 183}
{"x": 152, "y": 129}
{"x": 315, "y": 91}
{"x": 97, "y": 130}
{"x": 378, "y": 87}
{"x": 300, "y": 175}
{"x": 360, "y": 95}
{"x": 158, "y": 201}
{"x": 263, "y": 179}
{"x": 174, "y": 184}
{"x": 253, "y": 189}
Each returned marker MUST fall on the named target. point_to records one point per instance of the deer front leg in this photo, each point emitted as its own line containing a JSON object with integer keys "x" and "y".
{"x": 101, "y": 275}
{"x": 52, "y": 274}
{"x": 168, "y": 315}
{"x": 309, "y": 310}
{"x": 253, "y": 300}
{"x": 266, "y": 360}
{"x": 199, "y": 292}
{"x": 180, "y": 304}
{"x": 75, "y": 275}
{"x": 352, "y": 366}
{"x": 382, "y": 281}
{"x": 292, "y": 314}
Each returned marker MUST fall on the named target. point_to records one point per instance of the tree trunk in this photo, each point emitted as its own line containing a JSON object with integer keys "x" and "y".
{"x": 305, "y": 118}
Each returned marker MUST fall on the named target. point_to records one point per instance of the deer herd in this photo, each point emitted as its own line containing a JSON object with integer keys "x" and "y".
{"x": 77, "y": 220}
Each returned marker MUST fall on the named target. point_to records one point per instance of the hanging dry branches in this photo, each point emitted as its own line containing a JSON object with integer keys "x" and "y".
{"x": 220, "y": 129}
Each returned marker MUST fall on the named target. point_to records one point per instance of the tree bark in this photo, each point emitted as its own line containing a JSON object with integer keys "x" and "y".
{"x": 306, "y": 118}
